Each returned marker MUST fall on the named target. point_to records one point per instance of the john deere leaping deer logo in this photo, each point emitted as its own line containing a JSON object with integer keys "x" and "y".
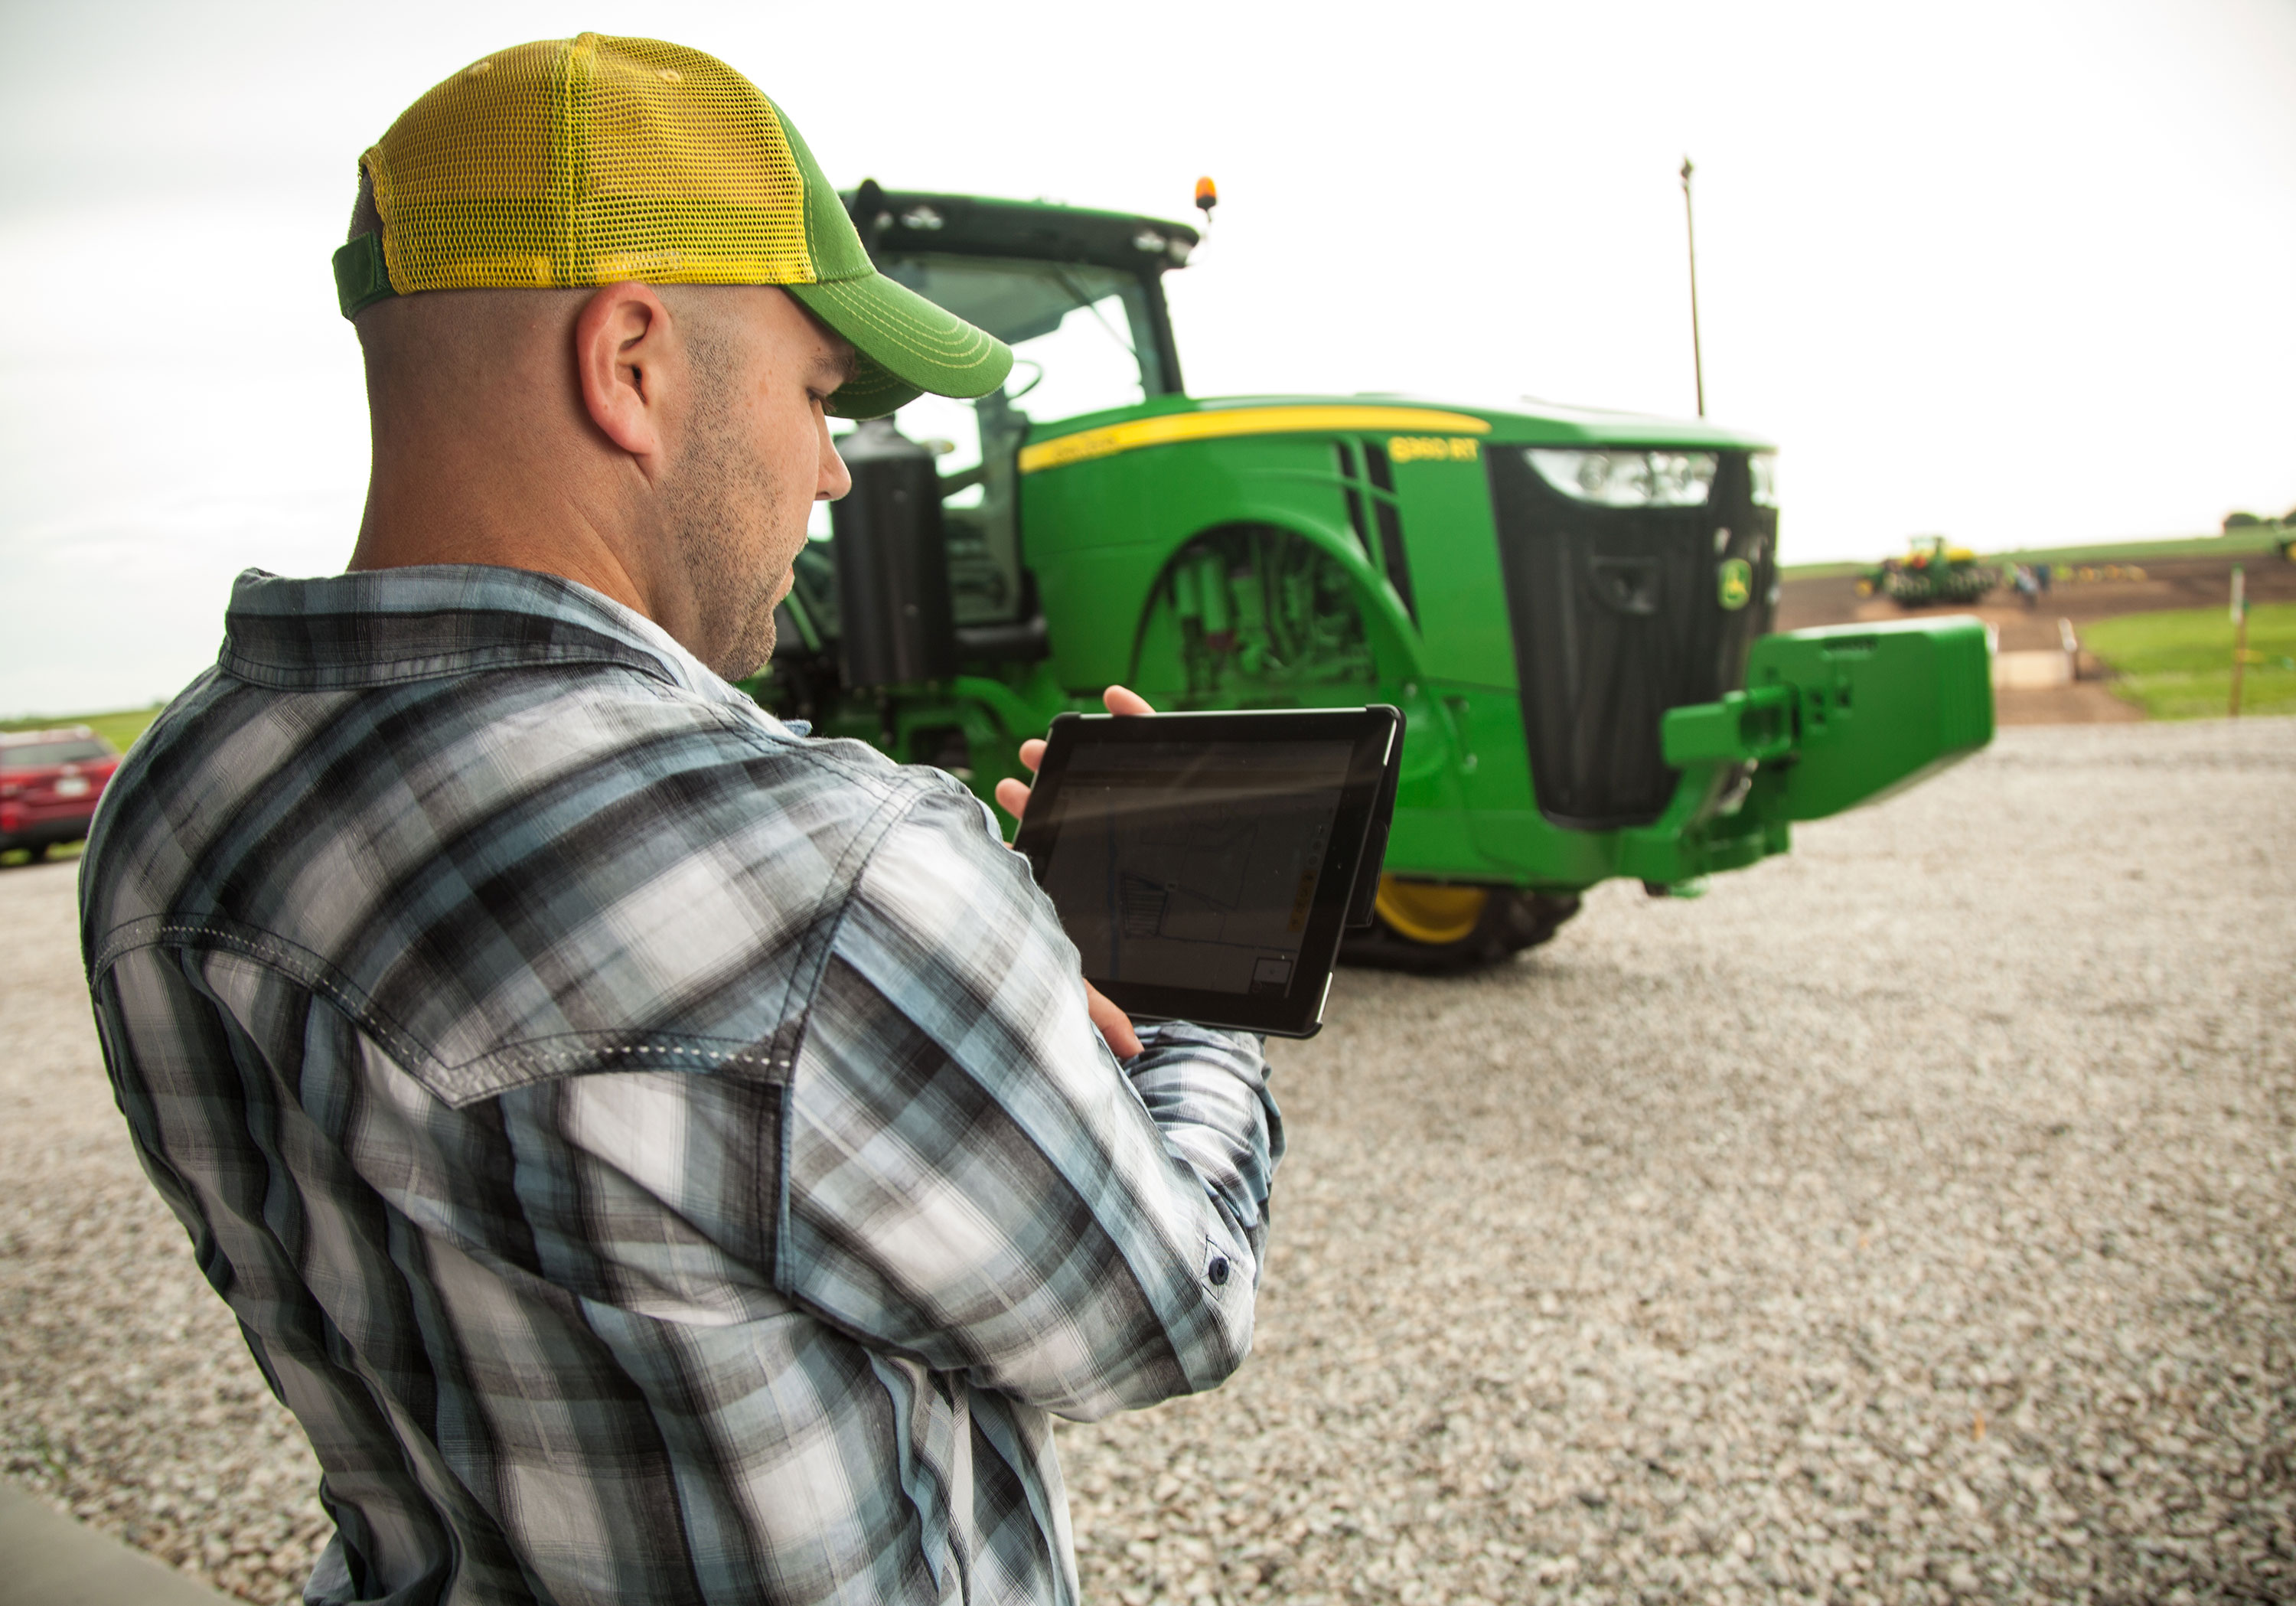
{"x": 1736, "y": 583}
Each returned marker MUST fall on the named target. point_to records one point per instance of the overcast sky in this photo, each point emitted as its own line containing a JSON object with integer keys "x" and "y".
{"x": 2020, "y": 273}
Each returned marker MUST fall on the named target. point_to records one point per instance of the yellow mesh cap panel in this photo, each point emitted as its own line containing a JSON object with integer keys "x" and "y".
{"x": 593, "y": 161}
{"x": 588, "y": 161}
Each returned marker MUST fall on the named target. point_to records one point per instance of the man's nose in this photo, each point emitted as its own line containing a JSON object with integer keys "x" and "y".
{"x": 836, "y": 479}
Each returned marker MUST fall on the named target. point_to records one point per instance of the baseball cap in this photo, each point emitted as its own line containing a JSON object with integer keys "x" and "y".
{"x": 597, "y": 160}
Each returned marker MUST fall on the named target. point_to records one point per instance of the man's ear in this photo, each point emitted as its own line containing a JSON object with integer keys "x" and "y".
{"x": 627, "y": 356}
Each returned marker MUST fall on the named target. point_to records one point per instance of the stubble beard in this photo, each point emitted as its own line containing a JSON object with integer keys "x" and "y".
{"x": 722, "y": 517}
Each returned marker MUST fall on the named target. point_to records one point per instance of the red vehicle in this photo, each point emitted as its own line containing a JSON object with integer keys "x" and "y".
{"x": 49, "y": 782}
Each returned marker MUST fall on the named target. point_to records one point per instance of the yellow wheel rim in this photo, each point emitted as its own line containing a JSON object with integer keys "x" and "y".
{"x": 1432, "y": 915}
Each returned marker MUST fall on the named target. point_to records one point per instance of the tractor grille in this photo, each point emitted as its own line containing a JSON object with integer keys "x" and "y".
{"x": 1616, "y": 617}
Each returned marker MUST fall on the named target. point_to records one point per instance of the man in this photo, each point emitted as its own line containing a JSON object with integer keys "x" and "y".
{"x": 657, "y": 1156}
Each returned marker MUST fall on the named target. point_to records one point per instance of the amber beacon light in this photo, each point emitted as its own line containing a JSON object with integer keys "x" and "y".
{"x": 1206, "y": 197}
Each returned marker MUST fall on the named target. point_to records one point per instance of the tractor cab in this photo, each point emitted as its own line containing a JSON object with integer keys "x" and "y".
{"x": 1077, "y": 295}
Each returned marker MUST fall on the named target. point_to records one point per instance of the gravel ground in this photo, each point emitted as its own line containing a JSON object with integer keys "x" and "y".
{"x": 126, "y": 1394}
{"x": 1907, "y": 1220}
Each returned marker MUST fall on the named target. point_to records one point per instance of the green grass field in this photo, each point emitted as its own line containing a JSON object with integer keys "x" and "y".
{"x": 2240, "y": 543}
{"x": 2177, "y": 665}
{"x": 1826, "y": 571}
{"x": 119, "y": 727}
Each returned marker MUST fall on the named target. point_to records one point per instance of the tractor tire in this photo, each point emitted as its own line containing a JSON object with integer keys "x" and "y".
{"x": 1431, "y": 930}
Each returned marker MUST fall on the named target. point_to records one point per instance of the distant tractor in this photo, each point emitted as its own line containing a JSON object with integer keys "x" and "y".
{"x": 1572, "y": 609}
{"x": 1931, "y": 571}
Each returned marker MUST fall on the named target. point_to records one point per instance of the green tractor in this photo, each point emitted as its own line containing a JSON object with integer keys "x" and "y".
{"x": 1572, "y": 609}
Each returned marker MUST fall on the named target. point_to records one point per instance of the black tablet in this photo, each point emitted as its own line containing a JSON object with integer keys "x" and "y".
{"x": 1206, "y": 865}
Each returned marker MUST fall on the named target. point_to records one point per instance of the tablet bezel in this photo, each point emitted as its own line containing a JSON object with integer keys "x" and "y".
{"x": 1375, "y": 734}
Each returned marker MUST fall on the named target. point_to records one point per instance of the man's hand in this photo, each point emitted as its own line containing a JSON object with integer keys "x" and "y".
{"x": 1012, "y": 796}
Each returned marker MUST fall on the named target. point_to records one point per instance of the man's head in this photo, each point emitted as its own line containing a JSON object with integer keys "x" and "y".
{"x": 608, "y": 305}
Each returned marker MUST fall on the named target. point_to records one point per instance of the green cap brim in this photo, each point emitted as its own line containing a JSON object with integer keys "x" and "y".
{"x": 905, "y": 346}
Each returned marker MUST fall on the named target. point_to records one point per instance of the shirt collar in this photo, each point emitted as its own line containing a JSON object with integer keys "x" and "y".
{"x": 383, "y": 626}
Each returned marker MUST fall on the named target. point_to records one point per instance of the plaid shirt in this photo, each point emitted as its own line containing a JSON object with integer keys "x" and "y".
{"x": 657, "y": 1156}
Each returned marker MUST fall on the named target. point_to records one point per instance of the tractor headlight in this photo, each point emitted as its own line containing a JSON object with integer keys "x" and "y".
{"x": 1765, "y": 468}
{"x": 1627, "y": 479}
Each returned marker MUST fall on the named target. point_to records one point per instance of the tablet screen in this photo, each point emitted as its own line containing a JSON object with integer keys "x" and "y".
{"x": 1194, "y": 864}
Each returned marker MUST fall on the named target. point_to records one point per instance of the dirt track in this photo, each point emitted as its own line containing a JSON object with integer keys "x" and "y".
{"x": 1910, "y": 1219}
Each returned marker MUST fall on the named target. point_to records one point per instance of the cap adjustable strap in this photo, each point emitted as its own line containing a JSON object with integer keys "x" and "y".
{"x": 361, "y": 279}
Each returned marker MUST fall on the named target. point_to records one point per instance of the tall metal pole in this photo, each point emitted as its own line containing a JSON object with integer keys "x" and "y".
{"x": 1690, "y": 230}
{"x": 2240, "y": 633}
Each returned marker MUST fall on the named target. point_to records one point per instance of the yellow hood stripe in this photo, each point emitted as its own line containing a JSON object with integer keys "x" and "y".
{"x": 1172, "y": 428}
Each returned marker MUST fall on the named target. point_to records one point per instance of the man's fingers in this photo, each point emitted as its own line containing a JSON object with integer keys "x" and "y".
{"x": 1012, "y": 794}
{"x": 1115, "y": 1025}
